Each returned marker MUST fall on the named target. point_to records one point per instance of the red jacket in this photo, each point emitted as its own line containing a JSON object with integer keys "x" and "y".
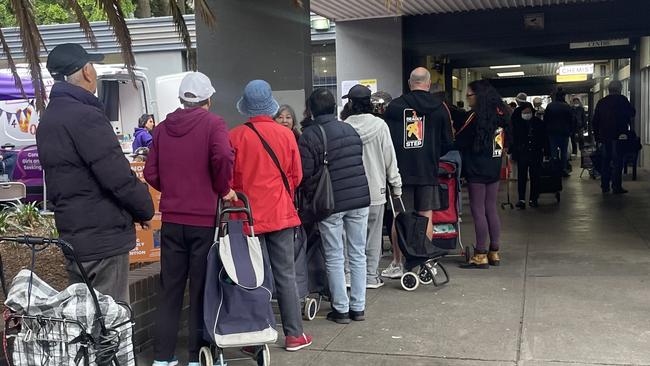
{"x": 256, "y": 175}
{"x": 190, "y": 163}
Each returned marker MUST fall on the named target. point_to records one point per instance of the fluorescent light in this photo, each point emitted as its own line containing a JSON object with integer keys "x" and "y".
{"x": 324, "y": 58}
{"x": 504, "y": 67}
{"x": 571, "y": 78}
{"x": 513, "y": 73}
{"x": 325, "y": 71}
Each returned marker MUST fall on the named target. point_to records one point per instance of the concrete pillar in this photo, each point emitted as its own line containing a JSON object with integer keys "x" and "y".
{"x": 256, "y": 39}
{"x": 370, "y": 49}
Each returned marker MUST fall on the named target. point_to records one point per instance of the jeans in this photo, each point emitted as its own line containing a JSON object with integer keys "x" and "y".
{"x": 355, "y": 225}
{"x": 561, "y": 143}
{"x": 612, "y": 166}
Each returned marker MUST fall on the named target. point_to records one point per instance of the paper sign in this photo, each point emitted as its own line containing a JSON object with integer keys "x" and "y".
{"x": 346, "y": 85}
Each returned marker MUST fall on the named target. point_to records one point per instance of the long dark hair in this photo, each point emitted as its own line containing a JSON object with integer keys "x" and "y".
{"x": 142, "y": 121}
{"x": 491, "y": 112}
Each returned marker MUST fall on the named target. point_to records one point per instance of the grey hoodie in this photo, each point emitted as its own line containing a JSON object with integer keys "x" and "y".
{"x": 379, "y": 159}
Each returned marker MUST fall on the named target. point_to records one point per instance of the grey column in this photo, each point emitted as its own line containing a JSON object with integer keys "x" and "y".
{"x": 256, "y": 39}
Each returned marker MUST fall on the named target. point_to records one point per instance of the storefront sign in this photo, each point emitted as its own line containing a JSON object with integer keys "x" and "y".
{"x": 576, "y": 69}
{"x": 600, "y": 43}
{"x": 571, "y": 78}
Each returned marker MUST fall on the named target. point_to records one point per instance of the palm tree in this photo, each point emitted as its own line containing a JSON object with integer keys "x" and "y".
{"x": 32, "y": 40}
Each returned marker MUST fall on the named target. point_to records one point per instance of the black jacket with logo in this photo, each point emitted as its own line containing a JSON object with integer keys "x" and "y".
{"x": 345, "y": 156}
{"x": 95, "y": 194}
{"x": 420, "y": 126}
{"x": 481, "y": 166}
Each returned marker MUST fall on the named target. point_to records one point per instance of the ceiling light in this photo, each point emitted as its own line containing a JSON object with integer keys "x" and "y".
{"x": 504, "y": 67}
{"x": 325, "y": 71}
{"x": 513, "y": 73}
{"x": 324, "y": 58}
{"x": 320, "y": 24}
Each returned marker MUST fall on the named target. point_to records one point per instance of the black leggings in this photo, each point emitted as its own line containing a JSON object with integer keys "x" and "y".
{"x": 526, "y": 165}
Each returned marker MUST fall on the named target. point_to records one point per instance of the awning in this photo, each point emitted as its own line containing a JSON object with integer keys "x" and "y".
{"x": 8, "y": 90}
{"x": 340, "y": 10}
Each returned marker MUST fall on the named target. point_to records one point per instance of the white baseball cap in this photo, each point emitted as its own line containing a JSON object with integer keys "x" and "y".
{"x": 198, "y": 85}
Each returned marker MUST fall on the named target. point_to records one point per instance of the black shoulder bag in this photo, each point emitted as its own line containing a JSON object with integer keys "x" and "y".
{"x": 321, "y": 203}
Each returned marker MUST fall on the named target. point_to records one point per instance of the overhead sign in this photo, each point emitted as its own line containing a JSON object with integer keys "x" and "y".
{"x": 571, "y": 78}
{"x": 600, "y": 43}
{"x": 576, "y": 69}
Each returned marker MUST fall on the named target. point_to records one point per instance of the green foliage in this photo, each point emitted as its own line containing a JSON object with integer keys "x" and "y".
{"x": 57, "y": 11}
{"x": 26, "y": 215}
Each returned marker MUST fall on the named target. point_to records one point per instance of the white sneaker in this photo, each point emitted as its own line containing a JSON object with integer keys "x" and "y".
{"x": 172, "y": 362}
{"x": 375, "y": 285}
{"x": 395, "y": 270}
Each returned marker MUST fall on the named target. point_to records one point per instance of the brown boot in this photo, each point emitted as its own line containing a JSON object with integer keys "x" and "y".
{"x": 493, "y": 258}
{"x": 479, "y": 260}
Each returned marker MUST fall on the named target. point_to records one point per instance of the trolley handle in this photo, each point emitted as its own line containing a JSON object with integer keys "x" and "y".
{"x": 67, "y": 248}
{"x": 392, "y": 204}
{"x": 246, "y": 209}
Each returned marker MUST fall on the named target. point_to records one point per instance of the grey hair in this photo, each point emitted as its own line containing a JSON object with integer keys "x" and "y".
{"x": 419, "y": 77}
{"x": 76, "y": 78}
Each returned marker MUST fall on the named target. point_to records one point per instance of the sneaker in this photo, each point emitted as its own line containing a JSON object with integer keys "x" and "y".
{"x": 395, "y": 270}
{"x": 357, "y": 316}
{"x": 172, "y": 362}
{"x": 521, "y": 205}
{"x": 293, "y": 344}
{"x": 533, "y": 204}
{"x": 341, "y": 318}
{"x": 619, "y": 191}
{"x": 377, "y": 284}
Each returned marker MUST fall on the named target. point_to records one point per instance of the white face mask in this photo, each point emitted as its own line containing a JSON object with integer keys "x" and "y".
{"x": 527, "y": 116}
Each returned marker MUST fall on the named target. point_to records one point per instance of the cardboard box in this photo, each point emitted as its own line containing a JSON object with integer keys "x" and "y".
{"x": 147, "y": 247}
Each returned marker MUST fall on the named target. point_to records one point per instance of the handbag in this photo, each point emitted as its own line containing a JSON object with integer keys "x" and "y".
{"x": 320, "y": 204}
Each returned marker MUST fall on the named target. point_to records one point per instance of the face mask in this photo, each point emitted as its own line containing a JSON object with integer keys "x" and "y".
{"x": 576, "y": 104}
{"x": 527, "y": 116}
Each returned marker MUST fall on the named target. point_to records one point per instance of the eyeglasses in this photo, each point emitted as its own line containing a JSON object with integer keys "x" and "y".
{"x": 470, "y": 95}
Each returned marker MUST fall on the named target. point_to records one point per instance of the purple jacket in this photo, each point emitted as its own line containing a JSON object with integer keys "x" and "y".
{"x": 191, "y": 163}
{"x": 142, "y": 138}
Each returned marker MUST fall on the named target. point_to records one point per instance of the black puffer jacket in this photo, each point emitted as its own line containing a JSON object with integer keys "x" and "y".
{"x": 95, "y": 194}
{"x": 345, "y": 155}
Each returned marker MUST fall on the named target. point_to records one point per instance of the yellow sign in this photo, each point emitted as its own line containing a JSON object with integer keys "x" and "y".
{"x": 572, "y": 78}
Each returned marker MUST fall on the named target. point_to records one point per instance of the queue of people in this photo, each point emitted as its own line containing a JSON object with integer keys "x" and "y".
{"x": 372, "y": 154}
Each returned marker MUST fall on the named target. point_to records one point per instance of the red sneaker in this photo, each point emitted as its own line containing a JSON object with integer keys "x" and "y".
{"x": 293, "y": 344}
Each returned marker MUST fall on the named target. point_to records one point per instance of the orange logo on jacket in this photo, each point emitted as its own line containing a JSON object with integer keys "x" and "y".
{"x": 413, "y": 129}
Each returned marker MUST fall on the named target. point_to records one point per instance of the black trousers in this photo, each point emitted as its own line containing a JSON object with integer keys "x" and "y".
{"x": 612, "y": 166}
{"x": 529, "y": 165}
{"x": 184, "y": 253}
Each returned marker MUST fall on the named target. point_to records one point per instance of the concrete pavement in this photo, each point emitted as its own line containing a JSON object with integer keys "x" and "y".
{"x": 573, "y": 289}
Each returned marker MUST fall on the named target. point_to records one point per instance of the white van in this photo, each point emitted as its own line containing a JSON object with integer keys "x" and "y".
{"x": 123, "y": 101}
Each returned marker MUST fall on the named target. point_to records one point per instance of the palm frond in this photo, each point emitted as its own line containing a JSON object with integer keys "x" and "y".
{"x": 12, "y": 64}
{"x": 205, "y": 12}
{"x": 183, "y": 32}
{"x": 116, "y": 19}
{"x": 32, "y": 41}
{"x": 83, "y": 22}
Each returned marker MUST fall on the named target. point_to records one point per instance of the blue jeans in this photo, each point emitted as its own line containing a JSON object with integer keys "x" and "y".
{"x": 355, "y": 224}
{"x": 561, "y": 143}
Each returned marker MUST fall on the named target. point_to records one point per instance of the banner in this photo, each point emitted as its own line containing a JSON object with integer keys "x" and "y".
{"x": 147, "y": 248}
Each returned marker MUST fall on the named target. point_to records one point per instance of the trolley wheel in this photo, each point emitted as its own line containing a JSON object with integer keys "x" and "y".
{"x": 205, "y": 356}
{"x": 558, "y": 197}
{"x": 264, "y": 356}
{"x": 425, "y": 276}
{"x": 409, "y": 281}
{"x": 468, "y": 254}
{"x": 311, "y": 309}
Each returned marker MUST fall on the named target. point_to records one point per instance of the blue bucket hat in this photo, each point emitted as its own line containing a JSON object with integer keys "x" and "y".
{"x": 257, "y": 100}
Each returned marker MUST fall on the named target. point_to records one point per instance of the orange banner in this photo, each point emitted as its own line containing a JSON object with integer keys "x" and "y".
{"x": 147, "y": 247}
